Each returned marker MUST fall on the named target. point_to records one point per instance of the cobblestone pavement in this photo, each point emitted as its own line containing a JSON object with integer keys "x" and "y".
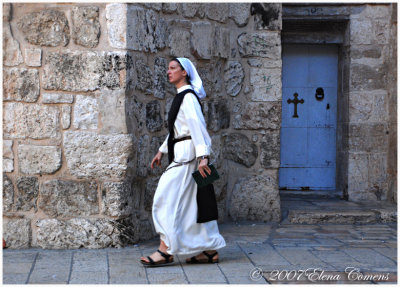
{"x": 256, "y": 253}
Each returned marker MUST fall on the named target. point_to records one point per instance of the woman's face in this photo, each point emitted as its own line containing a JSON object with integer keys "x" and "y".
{"x": 175, "y": 73}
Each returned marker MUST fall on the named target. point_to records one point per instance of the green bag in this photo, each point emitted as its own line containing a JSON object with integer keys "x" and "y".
{"x": 209, "y": 179}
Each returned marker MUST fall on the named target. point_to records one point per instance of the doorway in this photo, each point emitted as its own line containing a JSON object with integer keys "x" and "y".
{"x": 309, "y": 117}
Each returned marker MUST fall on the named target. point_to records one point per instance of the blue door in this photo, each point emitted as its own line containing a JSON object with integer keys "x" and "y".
{"x": 309, "y": 108}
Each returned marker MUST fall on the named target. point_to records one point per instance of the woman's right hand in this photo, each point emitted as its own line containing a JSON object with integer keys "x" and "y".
{"x": 157, "y": 159}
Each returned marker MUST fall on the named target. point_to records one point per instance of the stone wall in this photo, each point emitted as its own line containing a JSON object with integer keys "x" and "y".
{"x": 85, "y": 110}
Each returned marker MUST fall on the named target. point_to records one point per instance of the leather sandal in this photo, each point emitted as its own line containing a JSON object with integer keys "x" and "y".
{"x": 194, "y": 260}
{"x": 168, "y": 260}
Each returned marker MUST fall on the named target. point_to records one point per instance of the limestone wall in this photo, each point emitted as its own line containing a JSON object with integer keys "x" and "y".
{"x": 85, "y": 110}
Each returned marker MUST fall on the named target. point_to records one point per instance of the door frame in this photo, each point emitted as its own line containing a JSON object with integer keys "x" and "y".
{"x": 328, "y": 31}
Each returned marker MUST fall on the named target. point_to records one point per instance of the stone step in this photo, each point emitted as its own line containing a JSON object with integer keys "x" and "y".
{"x": 341, "y": 216}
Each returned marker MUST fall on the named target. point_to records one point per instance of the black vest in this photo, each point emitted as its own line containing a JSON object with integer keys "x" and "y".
{"x": 173, "y": 113}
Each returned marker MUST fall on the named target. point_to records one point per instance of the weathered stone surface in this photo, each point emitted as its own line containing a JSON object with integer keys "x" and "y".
{"x": 268, "y": 16}
{"x": 33, "y": 57}
{"x": 116, "y": 25}
{"x": 46, "y": 28}
{"x": 86, "y": 113}
{"x": 202, "y": 34}
{"x": 142, "y": 155}
{"x": 270, "y": 150}
{"x": 217, "y": 115}
{"x": 145, "y": 30}
{"x": 322, "y": 216}
{"x": 266, "y": 83}
{"x": 266, "y": 115}
{"x": 240, "y": 13}
{"x": 153, "y": 116}
{"x": 135, "y": 113}
{"x": 261, "y": 44}
{"x": 217, "y": 11}
{"x": 17, "y": 233}
{"x": 216, "y": 150}
{"x": 368, "y": 106}
{"x": 365, "y": 77}
{"x": 189, "y": 10}
{"x": 160, "y": 77}
{"x": 150, "y": 190}
{"x": 210, "y": 74}
{"x": 112, "y": 111}
{"x": 38, "y": 159}
{"x": 233, "y": 77}
{"x": 21, "y": 84}
{"x": 8, "y": 193}
{"x": 30, "y": 121}
{"x": 97, "y": 156}
{"x": 155, "y": 144}
{"x": 144, "y": 77}
{"x": 57, "y": 98}
{"x": 8, "y": 156}
{"x": 237, "y": 147}
{"x": 376, "y": 133}
{"x": 155, "y": 6}
{"x": 378, "y": 174}
{"x": 358, "y": 178}
{"x": 12, "y": 55}
{"x": 83, "y": 233}
{"x": 86, "y": 26}
{"x": 169, "y": 8}
{"x": 116, "y": 198}
{"x": 368, "y": 31}
{"x": 179, "y": 43}
{"x": 65, "y": 117}
{"x": 26, "y": 194}
{"x": 85, "y": 71}
{"x": 221, "y": 43}
{"x": 365, "y": 51}
{"x": 256, "y": 197}
{"x": 65, "y": 198}
{"x": 7, "y": 8}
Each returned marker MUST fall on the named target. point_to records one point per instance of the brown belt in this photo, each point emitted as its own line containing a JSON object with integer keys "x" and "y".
{"x": 182, "y": 139}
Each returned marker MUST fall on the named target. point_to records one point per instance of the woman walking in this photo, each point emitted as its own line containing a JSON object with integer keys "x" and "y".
{"x": 188, "y": 146}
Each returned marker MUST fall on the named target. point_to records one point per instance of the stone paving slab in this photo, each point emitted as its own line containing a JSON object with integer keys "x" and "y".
{"x": 254, "y": 253}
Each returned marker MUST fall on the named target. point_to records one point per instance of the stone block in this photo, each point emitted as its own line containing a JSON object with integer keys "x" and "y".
{"x": 378, "y": 174}
{"x": 365, "y": 77}
{"x": 149, "y": 191}
{"x": 45, "y": 28}
{"x": 153, "y": 116}
{"x": 256, "y": 197}
{"x": 8, "y": 156}
{"x": 169, "y": 8}
{"x": 26, "y": 194}
{"x": 135, "y": 113}
{"x": 217, "y": 11}
{"x": 65, "y": 117}
{"x": 116, "y": 198}
{"x": 366, "y": 51}
{"x": 268, "y": 16}
{"x": 261, "y": 44}
{"x": 240, "y": 13}
{"x": 263, "y": 115}
{"x": 216, "y": 150}
{"x": 86, "y": 113}
{"x": 155, "y": 6}
{"x": 30, "y": 121}
{"x": 35, "y": 159}
{"x": 112, "y": 111}
{"x": 160, "y": 77}
{"x": 270, "y": 149}
{"x": 86, "y": 26}
{"x": 85, "y": 71}
{"x": 83, "y": 233}
{"x": 221, "y": 43}
{"x": 90, "y": 155}
{"x": 217, "y": 115}
{"x": 65, "y": 198}
{"x": 7, "y": 9}
{"x": 142, "y": 155}
{"x": 144, "y": 81}
{"x": 116, "y": 25}
{"x": 368, "y": 137}
{"x": 201, "y": 40}
{"x": 358, "y": 178}
{"x": 233, "y": 78}
{"x": 12, "y": 55}
{"x": 266, "y": 83}
{"x": 20, "y": 84}
{"x": 33, "y": 57}
{"x": 48, "y": 98}
{"x": 8, "y": 193}
{"x": 189, "y": 10}
{"x": 179, "y": 42}
{"x": 238, "y": 148}
{"x": 211, "y": 75}
{"x": 17, "y": 233}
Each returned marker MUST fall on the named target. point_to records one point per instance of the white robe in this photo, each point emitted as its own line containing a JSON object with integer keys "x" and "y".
{"x": 175, "y": 206}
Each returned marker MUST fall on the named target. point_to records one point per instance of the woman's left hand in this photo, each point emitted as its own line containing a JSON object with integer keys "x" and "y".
{"x": 203, "y": 168}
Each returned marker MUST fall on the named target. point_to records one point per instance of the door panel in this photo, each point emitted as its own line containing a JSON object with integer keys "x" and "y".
{"x": 308, "y": 141}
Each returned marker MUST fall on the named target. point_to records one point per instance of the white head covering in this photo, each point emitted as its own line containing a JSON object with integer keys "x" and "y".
{"x": 195, "y": 81}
